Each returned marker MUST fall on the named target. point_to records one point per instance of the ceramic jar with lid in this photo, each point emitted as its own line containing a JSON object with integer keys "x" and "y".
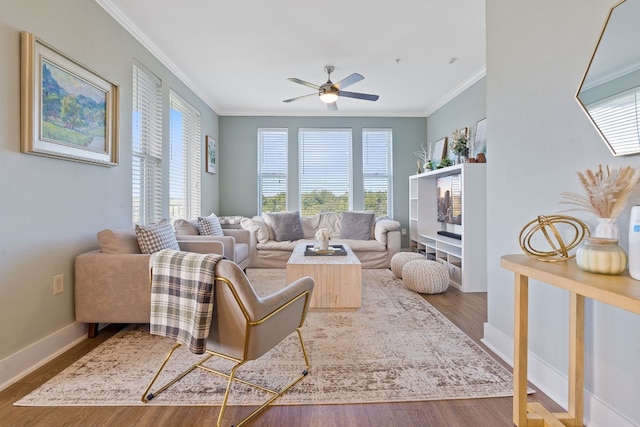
{"x": 602, "y": 256}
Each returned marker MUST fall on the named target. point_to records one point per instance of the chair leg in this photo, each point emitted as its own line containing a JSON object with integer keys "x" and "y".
{"x": 231, "y": 377}
{"x": 276, "y": 394}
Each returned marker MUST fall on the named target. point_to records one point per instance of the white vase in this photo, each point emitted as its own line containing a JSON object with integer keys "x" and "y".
{"x": 607, "y": 228}
{"x": 324, "y": 245}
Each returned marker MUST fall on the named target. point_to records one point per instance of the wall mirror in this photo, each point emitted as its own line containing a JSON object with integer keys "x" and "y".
{"x": 610, "y": 89}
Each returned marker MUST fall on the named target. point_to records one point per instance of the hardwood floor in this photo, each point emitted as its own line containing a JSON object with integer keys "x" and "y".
{"x": 467, "y": 311}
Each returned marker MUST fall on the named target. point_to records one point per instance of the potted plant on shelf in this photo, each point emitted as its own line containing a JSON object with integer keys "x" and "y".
{"x": 445, "y": 162}
{"x": 460, "y": 145}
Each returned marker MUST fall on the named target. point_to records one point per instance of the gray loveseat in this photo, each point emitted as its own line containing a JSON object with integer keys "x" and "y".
{"x": 374, "y": 244}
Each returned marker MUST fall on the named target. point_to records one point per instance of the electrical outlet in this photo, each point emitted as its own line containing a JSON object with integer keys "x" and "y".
{"x": 404, "y": 231}
{"x": 58, "y": 284}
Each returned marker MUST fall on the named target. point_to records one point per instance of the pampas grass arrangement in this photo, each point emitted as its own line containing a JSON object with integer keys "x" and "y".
{"x": 606, "y": 192}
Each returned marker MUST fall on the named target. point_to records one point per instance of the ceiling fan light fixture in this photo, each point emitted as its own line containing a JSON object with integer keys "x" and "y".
{"x": 329, "y": 97}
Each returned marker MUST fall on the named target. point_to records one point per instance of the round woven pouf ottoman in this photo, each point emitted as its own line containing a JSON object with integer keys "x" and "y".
{"x": 400, "y": 259}
{"x": 425, "y": 276}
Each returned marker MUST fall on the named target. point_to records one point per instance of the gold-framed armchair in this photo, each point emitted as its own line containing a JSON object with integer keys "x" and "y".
{"x": 244, "y": 327}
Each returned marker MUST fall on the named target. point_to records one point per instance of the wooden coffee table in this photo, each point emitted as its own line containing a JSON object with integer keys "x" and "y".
{"x": 338, "y": 277}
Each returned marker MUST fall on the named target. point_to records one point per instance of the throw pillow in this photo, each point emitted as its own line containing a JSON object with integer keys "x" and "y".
{"x": 286, "y": 226}
{"x": 257, "y": 225}
{"x": 356, "y": 225}
{"x": 155, "y": 237}
{"x": 186, "y": 228}
{"x": 209, "y": 226}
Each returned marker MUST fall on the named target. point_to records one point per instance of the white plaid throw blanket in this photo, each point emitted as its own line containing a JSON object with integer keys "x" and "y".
{"x": 182, "y": 285}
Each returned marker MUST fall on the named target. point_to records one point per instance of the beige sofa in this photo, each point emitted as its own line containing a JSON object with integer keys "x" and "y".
{"x": 113, "y": 283}
{"x": 373, "y": 251}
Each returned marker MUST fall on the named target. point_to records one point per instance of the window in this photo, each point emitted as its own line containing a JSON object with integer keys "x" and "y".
{"x": 272, "y": 170}
{"x": 325, "y": 170}
{"x": 618, "y": 118}
{"x": 146, "y": 147}
{"x": 376, "y": 169}
{"x": 186, "y": 159}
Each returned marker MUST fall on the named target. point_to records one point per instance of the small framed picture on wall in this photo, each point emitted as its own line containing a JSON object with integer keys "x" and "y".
{"x": 211, "y": 154}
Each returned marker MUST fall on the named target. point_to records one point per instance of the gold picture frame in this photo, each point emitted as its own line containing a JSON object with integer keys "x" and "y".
{"x": 211, "y": 154}
{"x": 67, "y": 111}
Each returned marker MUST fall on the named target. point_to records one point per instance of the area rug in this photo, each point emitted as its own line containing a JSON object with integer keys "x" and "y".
{"x": 396, "y": 347}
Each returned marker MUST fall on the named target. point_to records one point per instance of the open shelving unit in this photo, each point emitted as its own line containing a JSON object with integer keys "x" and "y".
{"x": 466, "y": 259}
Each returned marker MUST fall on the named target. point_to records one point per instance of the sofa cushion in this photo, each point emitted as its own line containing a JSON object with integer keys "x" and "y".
{"x": 286, "y": 226}
{"x": 209, "y": 226}
{"x": 230, "y": 222}
{"x": 115, "y": 241}
{"x": 258, "y": 226}
{"x": 357, "y": 225}
{"x": 272, "y": 245}
{"x": 155, "y": 237}
{"x": 186, "y": 228}
{"x": 358, "y": 245}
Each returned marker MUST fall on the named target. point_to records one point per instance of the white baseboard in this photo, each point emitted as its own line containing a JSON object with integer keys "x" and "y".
{"x": 30, "y": 358}
{"x": 553, "y": 383}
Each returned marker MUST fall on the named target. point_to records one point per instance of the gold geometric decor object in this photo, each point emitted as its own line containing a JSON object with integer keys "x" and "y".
{"x": 547, "y": 225}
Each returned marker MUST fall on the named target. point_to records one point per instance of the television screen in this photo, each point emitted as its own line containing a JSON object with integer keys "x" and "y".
{"x": 449, "y": 194}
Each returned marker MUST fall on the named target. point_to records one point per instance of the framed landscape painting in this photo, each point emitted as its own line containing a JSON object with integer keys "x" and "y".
{"x": 67, "y": 111}
{"x": 211, "y": 154}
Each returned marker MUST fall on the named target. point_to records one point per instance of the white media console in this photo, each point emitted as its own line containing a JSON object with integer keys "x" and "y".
{"x": 466, "y": 258}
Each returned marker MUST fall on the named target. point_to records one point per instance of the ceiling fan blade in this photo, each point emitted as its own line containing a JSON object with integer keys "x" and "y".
{"x": 332, "y": 106}
{"x": 356, "y": 95}
{"x": 300, "y": 97}
{"x": 349, "y": 80}
{"x": 302, "y": 82}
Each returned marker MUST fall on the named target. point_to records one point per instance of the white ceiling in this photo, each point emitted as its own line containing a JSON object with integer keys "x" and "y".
{"x": 237, "y": 55}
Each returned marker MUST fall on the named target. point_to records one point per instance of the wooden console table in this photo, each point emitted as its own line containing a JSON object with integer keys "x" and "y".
{"x": 619, "y": 291}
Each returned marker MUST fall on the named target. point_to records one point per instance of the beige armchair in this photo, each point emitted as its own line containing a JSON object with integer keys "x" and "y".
{"x": 234, "y": 245}
{"x": 245, "y": 326}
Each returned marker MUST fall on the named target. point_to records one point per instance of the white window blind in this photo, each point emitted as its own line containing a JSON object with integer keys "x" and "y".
{"x": 272, "y": 170}
{"x": 146, "y": 147}
{"x": 376, "y": 169}
{"x": 618, "y": 118}
{"x": 325, "y": 170}
{"x": 186, "y": 159}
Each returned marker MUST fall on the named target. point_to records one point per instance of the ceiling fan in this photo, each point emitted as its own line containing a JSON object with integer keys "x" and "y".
{"x": 329, "y": 91}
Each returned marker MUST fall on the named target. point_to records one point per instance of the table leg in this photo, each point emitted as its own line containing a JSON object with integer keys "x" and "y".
{"x": 520, "y": 339}
{"x": 576, "y": 358}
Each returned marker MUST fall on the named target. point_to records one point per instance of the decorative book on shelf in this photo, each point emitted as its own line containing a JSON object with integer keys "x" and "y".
{"x": 310, "y": 250}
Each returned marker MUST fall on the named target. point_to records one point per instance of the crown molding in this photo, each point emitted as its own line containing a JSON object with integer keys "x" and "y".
{"x": 475, "y": 77}
{"x": 128, "y": 25}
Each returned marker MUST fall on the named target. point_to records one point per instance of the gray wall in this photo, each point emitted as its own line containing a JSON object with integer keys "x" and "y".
{"x": 464, "y": 110}
{"x": 238, "y": 157}
{"x": 538, "y": 137}
{"x": 52, "y": 209}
